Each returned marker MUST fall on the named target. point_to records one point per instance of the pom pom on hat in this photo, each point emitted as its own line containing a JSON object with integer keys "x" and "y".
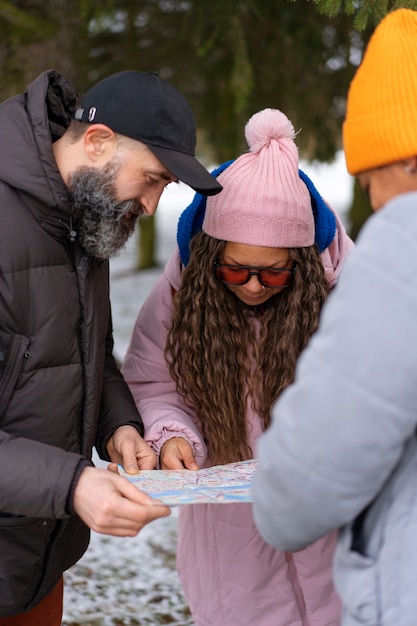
{"x": 267, "y": 125}
{"x": 264, "y": 202}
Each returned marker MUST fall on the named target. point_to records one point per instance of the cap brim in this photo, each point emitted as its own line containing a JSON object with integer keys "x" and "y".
{"x": 186, "y": 168}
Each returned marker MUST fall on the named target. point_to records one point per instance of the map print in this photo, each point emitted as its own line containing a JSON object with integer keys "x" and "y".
{"x": 220, "y": 484}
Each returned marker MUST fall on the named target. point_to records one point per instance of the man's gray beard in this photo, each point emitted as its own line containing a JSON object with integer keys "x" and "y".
{"x": 101, "y": 227}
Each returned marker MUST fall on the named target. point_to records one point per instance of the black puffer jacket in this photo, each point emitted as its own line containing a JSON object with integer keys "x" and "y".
{"x": 60, "y": 390}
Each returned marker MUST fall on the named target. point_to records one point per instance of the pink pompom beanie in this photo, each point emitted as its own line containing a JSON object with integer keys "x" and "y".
{"x": 264, "y": 202}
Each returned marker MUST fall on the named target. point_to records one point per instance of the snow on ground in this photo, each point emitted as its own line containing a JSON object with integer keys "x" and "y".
{"x": 133, "y": 581}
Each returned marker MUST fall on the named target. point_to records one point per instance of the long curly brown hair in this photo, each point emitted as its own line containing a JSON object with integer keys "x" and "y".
{"x": 218, "y": 360}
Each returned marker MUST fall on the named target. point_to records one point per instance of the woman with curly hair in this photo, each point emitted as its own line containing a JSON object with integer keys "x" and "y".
{"x": 214, "y": 345}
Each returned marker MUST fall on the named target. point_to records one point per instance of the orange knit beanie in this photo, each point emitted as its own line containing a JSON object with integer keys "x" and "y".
{"x": 381, "y": 116}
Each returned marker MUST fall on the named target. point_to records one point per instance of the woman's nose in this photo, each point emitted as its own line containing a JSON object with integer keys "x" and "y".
{"x": 253, "y": 285}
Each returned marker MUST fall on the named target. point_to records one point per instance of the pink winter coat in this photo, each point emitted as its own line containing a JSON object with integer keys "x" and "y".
{"x": 230, "y": 576}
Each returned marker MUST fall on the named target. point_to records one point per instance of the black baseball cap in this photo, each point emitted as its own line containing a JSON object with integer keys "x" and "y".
{"x": 142, "y": 106}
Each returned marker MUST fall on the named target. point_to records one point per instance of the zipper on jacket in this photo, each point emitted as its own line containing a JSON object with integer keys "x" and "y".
{"x": 19, "y": 350}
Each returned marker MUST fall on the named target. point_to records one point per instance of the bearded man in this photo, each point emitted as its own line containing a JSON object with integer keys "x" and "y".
{"x": 75, "y": 175}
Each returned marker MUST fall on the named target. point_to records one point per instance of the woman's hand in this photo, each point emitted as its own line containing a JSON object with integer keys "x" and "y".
{"x": 177, "y": 453}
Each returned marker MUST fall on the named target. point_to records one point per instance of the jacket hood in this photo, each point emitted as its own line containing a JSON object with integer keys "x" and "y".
{"x": 29, "y": 123}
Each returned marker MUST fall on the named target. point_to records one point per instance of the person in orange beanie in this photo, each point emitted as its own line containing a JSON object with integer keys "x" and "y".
{"x": 344, "y": 434}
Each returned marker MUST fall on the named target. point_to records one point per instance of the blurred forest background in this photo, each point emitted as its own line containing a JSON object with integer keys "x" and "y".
{"x": 230, "y": 58}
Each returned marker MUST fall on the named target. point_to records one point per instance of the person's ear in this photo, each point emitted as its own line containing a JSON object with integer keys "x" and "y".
{"x": 410, "y": 165}
{"x": 100, "y": 143}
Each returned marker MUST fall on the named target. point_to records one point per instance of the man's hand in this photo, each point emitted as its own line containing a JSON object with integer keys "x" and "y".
{"x": 128, "y": 448}
{"x": 110, "y": 504}
{"x": 177, "y": 453}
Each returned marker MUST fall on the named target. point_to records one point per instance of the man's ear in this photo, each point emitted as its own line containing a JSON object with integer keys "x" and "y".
{"x": 100, "y": 143}
{"x": 413, "y": 163}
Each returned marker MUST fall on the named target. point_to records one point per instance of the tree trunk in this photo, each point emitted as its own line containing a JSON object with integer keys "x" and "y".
{"x": 145, "y": 254}
{"x": 359, "y": 211}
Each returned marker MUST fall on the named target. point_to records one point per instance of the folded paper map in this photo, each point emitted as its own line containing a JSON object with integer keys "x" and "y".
{"x": 219, "y": 484}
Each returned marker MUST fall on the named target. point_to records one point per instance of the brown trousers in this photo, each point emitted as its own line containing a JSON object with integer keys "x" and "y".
{"x": 47, "y": 613}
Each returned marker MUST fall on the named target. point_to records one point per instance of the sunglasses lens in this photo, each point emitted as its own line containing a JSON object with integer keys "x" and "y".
{"x": 269, "y": 278}
{"x": 232, "y": 275}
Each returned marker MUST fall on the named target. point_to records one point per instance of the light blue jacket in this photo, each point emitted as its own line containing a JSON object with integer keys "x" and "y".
{"x": 343, "y": 436}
